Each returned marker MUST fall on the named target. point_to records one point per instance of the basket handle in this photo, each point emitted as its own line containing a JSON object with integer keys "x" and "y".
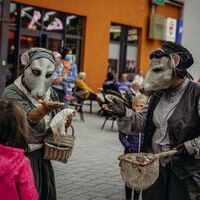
{"x": 166, "y": 154}
{"x": 122, "y": 157}
{"x": 66, "y": 132}
{"x": 72, "y": 128}
{"x": 136, "y": 163}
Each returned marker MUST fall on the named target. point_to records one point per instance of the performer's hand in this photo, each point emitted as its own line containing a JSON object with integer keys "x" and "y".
{"x": 181, "y": 148}
{"x": 105, "y": 107}
{"x": 50, "y": 105}
{"x": 45, "y": 108}
{"x": 117, "y": 107}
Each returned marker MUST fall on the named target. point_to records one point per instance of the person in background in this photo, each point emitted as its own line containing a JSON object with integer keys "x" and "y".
{"x": 170, "y": 123}
{"x": 16, "y": 177}
{"x": 66, "y": 64}
{"x": 132, "y": 143}
{"x": 110, "y": 83}
{"x": 72, "y": 71}
{"x": 133, "y": 91}
{"x": 81, "y": 85}
{"x": 123, "y": 84}
{"x": 59, "y": 77}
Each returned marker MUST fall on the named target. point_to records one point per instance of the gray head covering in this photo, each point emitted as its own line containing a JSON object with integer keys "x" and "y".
{"x": 38, "y": 53}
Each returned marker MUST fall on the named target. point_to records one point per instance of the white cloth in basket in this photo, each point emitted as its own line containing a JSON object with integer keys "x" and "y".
{"x": 58, "y": 123}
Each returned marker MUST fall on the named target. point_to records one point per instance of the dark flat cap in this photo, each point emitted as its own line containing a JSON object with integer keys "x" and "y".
{"x": 186, "y": 59}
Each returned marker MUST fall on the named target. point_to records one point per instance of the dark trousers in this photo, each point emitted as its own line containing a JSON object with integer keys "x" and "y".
{"x": 43, "y": 175}
{"x": 129, "y": 193}
{"x": 170, "y": 187}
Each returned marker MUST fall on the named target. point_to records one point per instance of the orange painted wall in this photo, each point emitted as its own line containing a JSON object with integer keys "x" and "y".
{"x": 99, "y": 15}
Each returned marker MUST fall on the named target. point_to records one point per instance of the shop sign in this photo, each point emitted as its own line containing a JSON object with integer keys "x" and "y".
{"x": 170, "y": 29}
{"x": 159, "y": 2}
{"x": 157, "y": 27}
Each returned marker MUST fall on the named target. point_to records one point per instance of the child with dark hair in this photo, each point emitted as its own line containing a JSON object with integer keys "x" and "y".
{"x": 16, "y": 177}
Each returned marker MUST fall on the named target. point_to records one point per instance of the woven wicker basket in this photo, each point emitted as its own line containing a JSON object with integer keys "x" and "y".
{"x": 59, "y": 151}
{"x": 141, "y": 176}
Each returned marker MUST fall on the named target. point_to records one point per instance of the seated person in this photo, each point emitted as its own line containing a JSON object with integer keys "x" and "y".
{"x": 110, "y": 83}
{"x": 123, "y": 84}
{"x": 133, "y": 91}
{"x": 80, "y": 84}
{"x": 59, "y": 77}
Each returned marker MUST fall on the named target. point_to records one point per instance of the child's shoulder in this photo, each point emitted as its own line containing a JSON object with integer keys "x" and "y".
{"x": 24, "y": 165}
{"x": 25, "y": 161}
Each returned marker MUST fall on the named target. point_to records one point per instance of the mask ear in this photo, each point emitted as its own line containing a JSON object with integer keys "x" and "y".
{"x": 25, "y": 58}
{"x": 57, "y": 56}
{"x": 176, "y": 59}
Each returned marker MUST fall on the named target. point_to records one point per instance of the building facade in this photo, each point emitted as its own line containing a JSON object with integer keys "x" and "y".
{"x": 190, "y": 39}
{"x": 104, "y": 35}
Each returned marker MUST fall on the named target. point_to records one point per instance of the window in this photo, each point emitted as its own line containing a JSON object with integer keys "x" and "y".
{"x": 123, "y": 51}
{"x": 74, "y": 25}
{"x": 31, "y": 26}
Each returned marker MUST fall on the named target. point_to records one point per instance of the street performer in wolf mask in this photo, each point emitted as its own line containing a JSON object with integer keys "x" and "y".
{"x": 32, "y": 89}
{"x": 172, "y": 121}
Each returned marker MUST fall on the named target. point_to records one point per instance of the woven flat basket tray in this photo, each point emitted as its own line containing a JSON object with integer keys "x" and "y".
{"x": 59, "y": 151}
{"x": 138, "y": 177}
{"x": 141, "y": 170}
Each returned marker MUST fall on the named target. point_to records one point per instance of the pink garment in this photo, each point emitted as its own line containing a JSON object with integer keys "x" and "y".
{"x": 16, "y": 177}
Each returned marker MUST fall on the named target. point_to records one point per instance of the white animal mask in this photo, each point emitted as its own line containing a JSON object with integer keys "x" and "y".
{"x": 38, "y": 74}
{"x": 160, "y": 74}
{"x": 169, "y": 62}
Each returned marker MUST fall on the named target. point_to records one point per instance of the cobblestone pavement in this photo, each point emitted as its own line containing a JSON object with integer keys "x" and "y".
{"x": 93, "y": 170}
